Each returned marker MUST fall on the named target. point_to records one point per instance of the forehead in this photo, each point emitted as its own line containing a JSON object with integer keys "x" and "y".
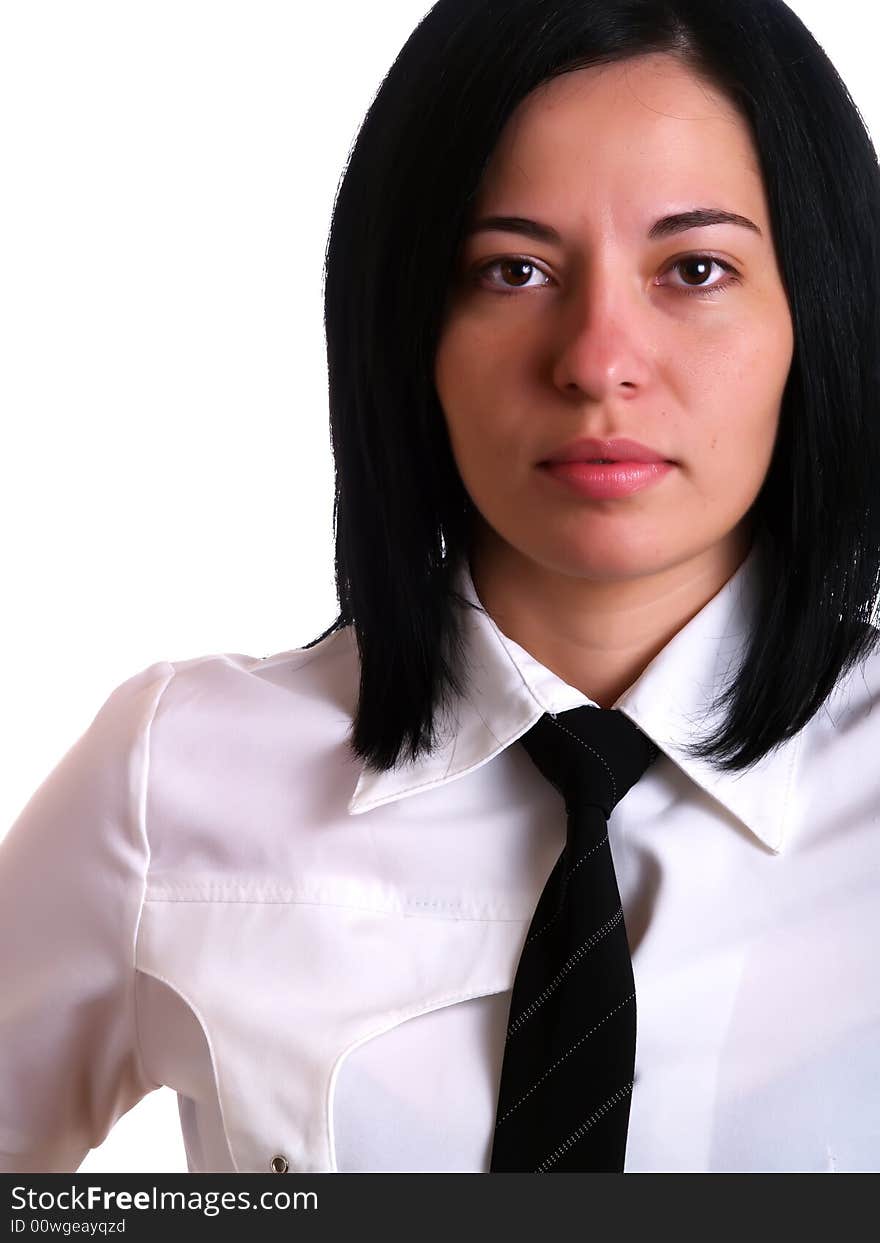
{"x": 624, "y": 139}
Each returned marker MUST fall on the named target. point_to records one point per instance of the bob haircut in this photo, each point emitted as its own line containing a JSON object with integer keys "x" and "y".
{"x": 402, "y": 518}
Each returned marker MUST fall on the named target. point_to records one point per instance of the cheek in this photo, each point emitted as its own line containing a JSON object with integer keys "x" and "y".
{"x": 462, "y": 361}
{"x": 444, "y": 367}
{"x": 735, "y": 397}
{"x": 484, "y": 350}
{"x": 471, "y": 389}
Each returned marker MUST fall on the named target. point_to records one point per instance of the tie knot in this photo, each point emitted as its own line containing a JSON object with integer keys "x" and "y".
{"x": 591, "y": 755}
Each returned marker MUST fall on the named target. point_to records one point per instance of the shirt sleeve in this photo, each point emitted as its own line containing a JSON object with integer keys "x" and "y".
{"x": 72, "y": 878}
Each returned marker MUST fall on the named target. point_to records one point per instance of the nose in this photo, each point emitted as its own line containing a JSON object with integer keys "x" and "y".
{"x": 600, "y": 340}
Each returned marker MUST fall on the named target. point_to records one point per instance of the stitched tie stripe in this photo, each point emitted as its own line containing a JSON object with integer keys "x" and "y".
{"x": 569, "y": 1056}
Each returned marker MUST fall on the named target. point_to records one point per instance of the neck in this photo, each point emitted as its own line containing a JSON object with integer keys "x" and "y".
{"x": 596, "y": 634}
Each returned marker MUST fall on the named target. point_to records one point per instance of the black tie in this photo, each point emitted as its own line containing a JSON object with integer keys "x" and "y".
{"x": 569, "y": 1057}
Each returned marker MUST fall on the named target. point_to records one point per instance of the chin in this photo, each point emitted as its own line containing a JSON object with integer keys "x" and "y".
{"x": 599, "y": 564}
{"x": 610, "y": 556}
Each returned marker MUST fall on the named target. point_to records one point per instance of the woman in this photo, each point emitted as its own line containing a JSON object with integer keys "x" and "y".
{"x": 296, "y": 889}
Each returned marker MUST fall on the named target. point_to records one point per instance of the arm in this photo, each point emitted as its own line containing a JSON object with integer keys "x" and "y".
{"x": 72, "y": 875}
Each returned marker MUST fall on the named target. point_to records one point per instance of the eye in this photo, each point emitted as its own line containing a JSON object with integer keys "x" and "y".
{"x": 700, "y": 266}
{"x": 520, "y": 269}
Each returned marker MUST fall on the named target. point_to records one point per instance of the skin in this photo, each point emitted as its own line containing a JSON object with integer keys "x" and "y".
{"x": 600, "y": 337}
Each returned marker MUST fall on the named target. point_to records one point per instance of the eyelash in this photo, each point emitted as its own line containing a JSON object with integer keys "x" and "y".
{"x": 701, "y": 291}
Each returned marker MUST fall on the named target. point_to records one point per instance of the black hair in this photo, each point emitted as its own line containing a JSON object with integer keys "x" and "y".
{"x": 402, "y": 518}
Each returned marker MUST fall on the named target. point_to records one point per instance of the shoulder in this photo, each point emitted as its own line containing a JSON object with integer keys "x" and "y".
{"x": 842, "y": 740}
{"x": 230, "y": 693}
{"x": 208, "y": 696}
{"x": 857, "y": 693}
{"x": 244, "y": 749}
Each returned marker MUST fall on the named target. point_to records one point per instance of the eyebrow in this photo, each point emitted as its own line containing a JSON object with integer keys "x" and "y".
{"x": 679, "y": 222}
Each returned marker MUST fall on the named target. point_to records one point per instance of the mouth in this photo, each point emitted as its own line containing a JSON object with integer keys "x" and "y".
{"x": 606, "y": 478}
{"x": 607, "y": 461}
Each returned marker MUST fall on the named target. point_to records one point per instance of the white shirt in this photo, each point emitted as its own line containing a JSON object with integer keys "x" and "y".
{"x": 209, "y": 893}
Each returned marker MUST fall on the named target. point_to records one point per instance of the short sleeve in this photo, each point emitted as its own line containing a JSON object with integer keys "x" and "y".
{"x": 72, "y": 877}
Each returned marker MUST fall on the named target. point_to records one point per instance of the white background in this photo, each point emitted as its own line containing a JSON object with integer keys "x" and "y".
{"x": 166, "y": 488}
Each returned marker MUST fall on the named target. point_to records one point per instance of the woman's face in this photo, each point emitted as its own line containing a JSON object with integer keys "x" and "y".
{"x": 680, "y": 338}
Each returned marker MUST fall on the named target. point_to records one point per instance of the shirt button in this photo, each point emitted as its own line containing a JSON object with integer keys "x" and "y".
{"x": 278, "y": 1165}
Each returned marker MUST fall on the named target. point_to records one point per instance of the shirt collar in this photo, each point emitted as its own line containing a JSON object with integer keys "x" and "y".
{"x": 672, "y": 701}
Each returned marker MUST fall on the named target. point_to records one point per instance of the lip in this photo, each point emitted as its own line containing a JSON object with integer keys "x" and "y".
{"x": 589, "y": 448}
{"x": 606, "y": 482}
